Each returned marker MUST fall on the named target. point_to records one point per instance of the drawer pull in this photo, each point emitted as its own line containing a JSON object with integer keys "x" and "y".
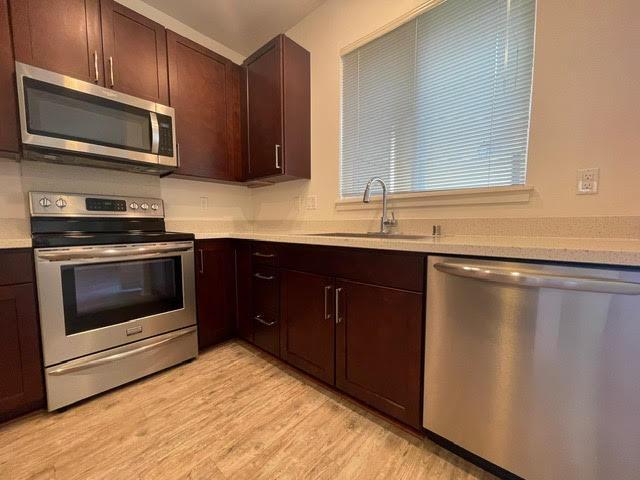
{"x": 264, "y": 255}
{"x": 264, "y": 277}
{"x": 260, "y": 319}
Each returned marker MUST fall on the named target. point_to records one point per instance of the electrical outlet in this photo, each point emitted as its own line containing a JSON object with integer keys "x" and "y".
{"x": 312, "y": 202}
{"x": 204, "y": 203}
{"x": 588, "y": 180}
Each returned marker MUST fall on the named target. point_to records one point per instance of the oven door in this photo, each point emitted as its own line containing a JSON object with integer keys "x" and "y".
{"x": 61, "y": 113}
{"x": 96, "y": 298}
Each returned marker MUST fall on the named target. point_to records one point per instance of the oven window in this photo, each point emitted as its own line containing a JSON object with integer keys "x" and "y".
{"x": 59, "y": 112}
{"x": 99, "y": 295}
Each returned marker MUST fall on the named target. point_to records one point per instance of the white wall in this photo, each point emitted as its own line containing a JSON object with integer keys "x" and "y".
{"x": 182, "y": 198}
{"x": 586, "y": 110}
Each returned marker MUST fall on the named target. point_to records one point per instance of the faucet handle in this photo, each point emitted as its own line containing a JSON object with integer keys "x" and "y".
{"x": 391, "y": 221}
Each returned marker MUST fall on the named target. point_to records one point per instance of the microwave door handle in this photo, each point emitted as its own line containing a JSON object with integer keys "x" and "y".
{"x": 155, "y": 133}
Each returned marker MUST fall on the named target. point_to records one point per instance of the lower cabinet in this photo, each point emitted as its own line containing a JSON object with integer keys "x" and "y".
{"x": 308, "y": 325}
{"x": 364, "y": 334}
{"x": 21, "y": 385}
{"x": 379, "y": 336}
{"x": 215, "y": 291}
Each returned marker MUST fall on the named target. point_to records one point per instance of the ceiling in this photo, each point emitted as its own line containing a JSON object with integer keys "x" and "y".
{"x": 242, "y": 25}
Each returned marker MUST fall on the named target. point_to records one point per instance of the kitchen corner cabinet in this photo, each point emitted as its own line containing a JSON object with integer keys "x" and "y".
{"x": 9, "y": 130}
{"x": 134, "y": 53}
{"x": 351, "y": 318}
{"x": 278, "y": 112}
{"x": 95, "y": 41}
{"x": 205, "y": 92}
{"x": 215, "y": 291}
{"x": 21, "y": 385}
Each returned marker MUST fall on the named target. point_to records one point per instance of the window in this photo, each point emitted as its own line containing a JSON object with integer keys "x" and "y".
{"x": 441, "y": 102}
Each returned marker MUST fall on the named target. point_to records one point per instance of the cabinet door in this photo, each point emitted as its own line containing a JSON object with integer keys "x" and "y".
{"x": 308, "y": 326}
{"x": 264, "y": 110}
{"x": 244, "y": 320}
{"x": 379, "y": 348}
{"x": 9, "y": 131}
{"x": 21, "y": 387}
{"x": 215, "y": 291}
{"x": 59, "y": 35}
{"x": 135, "y": 53}
{"x": 201, "y": 83}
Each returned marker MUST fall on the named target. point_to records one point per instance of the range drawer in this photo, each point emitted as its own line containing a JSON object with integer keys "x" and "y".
{"x": 377, "y": 267}
{"x": 265, "y": 293}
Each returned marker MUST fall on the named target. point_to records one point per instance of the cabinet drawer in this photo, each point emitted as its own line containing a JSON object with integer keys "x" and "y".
{"x": 377, "y": 267}
{"x": 265, "y": 293}
{"x": 264, "y": 253}
{"x": 17, "y": 267}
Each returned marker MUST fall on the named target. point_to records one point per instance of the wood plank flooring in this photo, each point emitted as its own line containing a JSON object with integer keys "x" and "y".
{"x": 234, "y": 413}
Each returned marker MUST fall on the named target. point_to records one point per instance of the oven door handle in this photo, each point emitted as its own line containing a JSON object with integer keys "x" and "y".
{"x": 83, "y": 365}
{"x": 109, "y": 253}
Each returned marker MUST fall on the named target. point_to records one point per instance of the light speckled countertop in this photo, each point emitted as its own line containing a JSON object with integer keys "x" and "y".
{"x": 583, "y": 250}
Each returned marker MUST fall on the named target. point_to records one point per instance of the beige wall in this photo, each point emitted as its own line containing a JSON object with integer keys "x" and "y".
{"x": 586, "y": 110}
{"x": 182, "y": 198}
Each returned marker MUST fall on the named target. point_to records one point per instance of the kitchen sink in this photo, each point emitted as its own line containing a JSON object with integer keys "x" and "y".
{"x": 390, "y": 236}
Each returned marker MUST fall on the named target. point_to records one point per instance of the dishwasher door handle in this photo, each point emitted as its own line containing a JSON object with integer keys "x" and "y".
{"x": 524, "y": 278}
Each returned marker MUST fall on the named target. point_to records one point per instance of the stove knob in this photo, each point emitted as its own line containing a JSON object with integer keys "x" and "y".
{"x": 133, "y": 206}
{"x": 144, "y": 206}
{"x": 44, "y": 202}
{"x": 155, "y": 206}
{"x": 61, "y": 203}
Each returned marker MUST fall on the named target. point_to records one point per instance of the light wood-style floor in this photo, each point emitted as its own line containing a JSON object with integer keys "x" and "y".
{"x": 233, "y": 413}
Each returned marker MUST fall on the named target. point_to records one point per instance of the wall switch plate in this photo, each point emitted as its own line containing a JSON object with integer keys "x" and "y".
{"x": 311, "y": 202}
{"x": 204, "y": 203}
{"x": 588, "y": 181}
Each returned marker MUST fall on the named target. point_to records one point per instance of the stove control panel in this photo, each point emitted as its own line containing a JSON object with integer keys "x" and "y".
{"x": 50, "y": 204}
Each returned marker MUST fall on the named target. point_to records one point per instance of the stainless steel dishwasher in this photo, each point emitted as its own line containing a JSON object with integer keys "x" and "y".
{"x": 536, "y": 367}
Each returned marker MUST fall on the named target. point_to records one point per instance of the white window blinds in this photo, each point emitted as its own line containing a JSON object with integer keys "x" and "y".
{"x": 441, "y": 102}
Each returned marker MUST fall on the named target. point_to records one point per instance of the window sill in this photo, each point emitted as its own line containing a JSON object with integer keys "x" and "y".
{"x": 467, "y": 196}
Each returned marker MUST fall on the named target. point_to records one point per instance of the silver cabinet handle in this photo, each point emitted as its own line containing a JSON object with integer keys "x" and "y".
{"x": 155, "y": 132}
{"x": 338, "y": 316}
{"x": 327, "y": 290}
{"x": 178, "y": 154}
{"x": 83, "y": 365}
{"x": 260, "y": 319}
{"x": 95, "y": 65}
{"x": 201, "y": 262}
{"x": 264, "y": 277}
{"x": 264, "y": 255}
{"x": 523, "y": 278}
{"x": 277, "y": 157}
{"x": 111, "y": 71}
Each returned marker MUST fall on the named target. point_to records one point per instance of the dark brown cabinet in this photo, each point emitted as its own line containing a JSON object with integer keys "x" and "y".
{"x": 308, "y": 325}
{"x": 215, "y": 291}
{"x": 63, "y": 36}
{"x": 352, "y": 318}
{"x": 9, "y": 130}
{"x": 21, "y": 386}
{"x": 135, "y": 53}
{"x": 379, "y": 348}
{"x": 205, "y": 92}
{"x": 278, "y": 112}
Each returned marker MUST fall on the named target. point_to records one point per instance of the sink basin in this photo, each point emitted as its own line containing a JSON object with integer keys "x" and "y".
{"x": 390, "y": 236}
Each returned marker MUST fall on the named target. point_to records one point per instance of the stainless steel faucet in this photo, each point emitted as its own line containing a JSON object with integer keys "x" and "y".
{"x": 385, "y": 223}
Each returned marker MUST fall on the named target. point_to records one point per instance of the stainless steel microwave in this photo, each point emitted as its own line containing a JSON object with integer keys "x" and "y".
{"x": 66, "y": 120}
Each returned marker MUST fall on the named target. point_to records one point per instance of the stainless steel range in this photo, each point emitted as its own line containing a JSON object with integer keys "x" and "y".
{"x": 116, "y": 292}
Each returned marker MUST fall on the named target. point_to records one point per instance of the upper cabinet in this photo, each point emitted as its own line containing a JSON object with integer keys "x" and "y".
{"x": 59, "y": 35}
{"x": 278, "y": 112}
{"x": 8, "y": 107}
{"x": 101, "y": 42}
{"x": 205, "y": 92}
{"x": 135, "y": 53}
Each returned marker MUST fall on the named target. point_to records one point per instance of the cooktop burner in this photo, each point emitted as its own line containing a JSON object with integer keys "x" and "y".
{"x": 61, "y": 220}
